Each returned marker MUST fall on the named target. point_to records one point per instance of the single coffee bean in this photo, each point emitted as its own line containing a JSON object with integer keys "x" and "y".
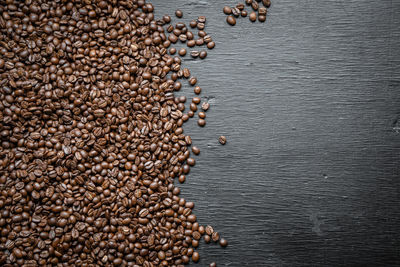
{"x": 210, "y": 45}
{"x": 195, "y": 150}
{"x": 182, "y": 52}
{"x": 262, "y": 11}
{"x": 223, "y": 242}
{"x": 215, "y": 236}
{"x": 205, "y": 106}
{"x": 191, "y": 43}
{"x": 190, "y": 114}
{"x": 197, "y": 90}
{"x": 254, "y": 6}
{"x": 193, "y": 80}
{"x": 202, "y": 115}
{"x": 172, "y": 50}
{"x": 196, "y": 100}
{"x": 231, "y": 20}
{"x": 193, "y": 24}
{"x": 243, "y": 13}
{"x": 201, "y": 19}
{"x": 222, "y": 140}
{"x": 253, "y": 16}
{"x": 209, "y": 230}
{"x": 201, "y": 122}
{"x": 266, "y": 3}
{"x": 166, "y": 19}
{"x": 200, "y": 26}
{"x": 193, "y": 107}
{"x": 227, "y": 10}
{"x": 203, "y": 54}
{"x": 195, "y": 257}
{"x": 240, "y": 6}
{"x": 194, "y": 54}
{"x": 191, "y": 161}
{"x": 200, "y": 42}
{"x": 236, "y": 12}
{"x": 201, "y": 34}
{"x": 248, "y": 2}
{"x": 179, "y": 13}
{"x": 207, "y": 239}
{"x": 262, "y": 18}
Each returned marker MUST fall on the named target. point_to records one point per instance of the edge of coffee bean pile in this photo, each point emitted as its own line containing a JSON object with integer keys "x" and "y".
{"x": 92, "y": 135}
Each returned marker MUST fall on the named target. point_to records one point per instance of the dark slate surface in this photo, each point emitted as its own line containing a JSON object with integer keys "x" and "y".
{"x": 308, "y": 103}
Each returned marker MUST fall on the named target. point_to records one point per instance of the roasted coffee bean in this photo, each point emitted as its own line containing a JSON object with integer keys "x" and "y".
{"x": 266, "y": 3}
{"x": 231, "y": 20}
{"x": 200, "y": 26}
{"x": 201, "y": 122}
{"x": 227, "y": 10}
{"x": 193, "y": 80}
{"x": 200, "y": 42}
{"x": 213, "y": 264}
{"x": 235, "y": 12}
{"x": 167, "y": 19}
{"x": 248, "y": 2}
{"x": 172, "y": 50}
{"x": 223, "y": 242}
{"x": 196, "y": 100}
{"x": 203, "y": 54}
{"x": 210, "y": 45}
{"x": 193, "y": 24}
{"x": 195, "y": 257}
{"x": 194, "y": 54}
{"x": 178, "y": 13}
{"x": 202, "y": 115}
{"x": 262, "y": 11}
{"x": 197, "y": 90}
{"x": 182, "y": 52}
{"x": 205, "y": 106}
{"x": 262, "y": 18}
{"x": 191, "y": 43}
{"x": 253, "y": 16}
{"x": 207, "y": 239}
{"x": 215, "y": 236}
{"x": 201, "y": 19}
{"x": 240, "y": 6}
{"x": 195, "y": 150}
{"x": 222, "y": 140}
{"x": 243, "y": 13}
{"x": 254, "y": 6}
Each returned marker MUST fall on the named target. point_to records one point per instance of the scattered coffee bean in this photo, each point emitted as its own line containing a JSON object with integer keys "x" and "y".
{"x": 223, "y": 242}
{"x": 203, "y": 54}
{"x": 222, "y": 140}
{"x": 253, "y": 16}
{"x": 200, "y": 42}
{"x": 197, "y": 90}
{"x": 172, "y": 50}
{"x": 262, "y": 18}
{"x": 240, "y": 6}
{"x": 210, "y": 45}
{"x": 201, "y": 122}
{"x": 254, "y": 6}
{"x": 195, "y": 150}
{"x": 236, "y": 12}
{"x": 196, "y": 100}
{"x": 262, "y": 11}
{"x": 193, "y": 81}
{"x": 194, "y": 54}
{"x": 215, "y": 236}
{"x": 182, "y": 52}
{"x": 202, "y": 115}
{"x": 195, "y": 257}
{"x": 243, "y": 13}
{"x": 205, "y": 106}
{"x": 266, "y": 3}
{"x": 248, "y": 2}
{"x": 231, "y": 20}
{"x": 191, "y": 43}
{"x": 227, "y": 10}
{"x": 193, "y": 24}
{"x": 178, "y": 13}
{"x": 213, "y": 264}
{"x": 201, "y": 19}
{"x": 200, "y": 26}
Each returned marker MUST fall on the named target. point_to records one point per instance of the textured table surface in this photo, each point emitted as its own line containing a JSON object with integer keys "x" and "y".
{"x": 308, "y": 102}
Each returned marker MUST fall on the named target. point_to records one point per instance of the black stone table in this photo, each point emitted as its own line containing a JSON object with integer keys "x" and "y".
{"x": 309, "y": 103}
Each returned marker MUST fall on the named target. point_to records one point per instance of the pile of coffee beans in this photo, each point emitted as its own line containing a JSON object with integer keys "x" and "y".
{"x": 258, "y": 11}
{"x": 91, "y": 135}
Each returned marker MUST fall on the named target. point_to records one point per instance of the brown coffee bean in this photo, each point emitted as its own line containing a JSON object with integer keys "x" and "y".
{"x": 203, "y": 54}
{"x": 196, "y": 257}
{"x": 201, "y": 122}
{"x": 231, "y": 20}
{"x": 209, "y": 230}
{"x": 182, "y": 52}
{"x": 200, "y": 42}
{"x": 223, "y": 242}
{"x": 227, "y": 10}
{"x": 253, "y": 16}
{"x": 178, "y": 13}
{"x": 202, "y": 115}
{"x": 205, "y": 106}
{"x": 243, "y": 13}
{"x": 194, "y": 54}
{"x": 210, "y": 45}
{"x": 195, "y": 150}
{"x": 235, "y": 12}
{"x": 248, "y": 2}
{"x": 222, "y": 140}
{"x": 193, "y": 81}
{"x": 196, "y": 100}
{"x": 255, "y": 6}
{"x": 213, "y": 264}
{"x": 266, "y": 3}
{"x": 215, "y": 236}
{"x": 207, "y": 239}
{"x": 262, "y": 18}
{"x": 172, "y": 50}
{"x": 197, "y": 90}
{"x": 240, "y": 6}
{"x": 193, "y": 24}
{"x": 262, "y": 11}
{"x": 191, "y": 43}
{"x": 200, "y": 26}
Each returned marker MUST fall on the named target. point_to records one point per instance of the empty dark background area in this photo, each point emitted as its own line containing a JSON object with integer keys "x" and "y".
{"x": 309, "y": 103}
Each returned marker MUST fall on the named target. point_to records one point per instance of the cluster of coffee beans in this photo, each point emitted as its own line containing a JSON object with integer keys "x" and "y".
{"x": 239, "y": 10}
{"x": 181, "y": 32}
{"x": 92, "y": 138}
